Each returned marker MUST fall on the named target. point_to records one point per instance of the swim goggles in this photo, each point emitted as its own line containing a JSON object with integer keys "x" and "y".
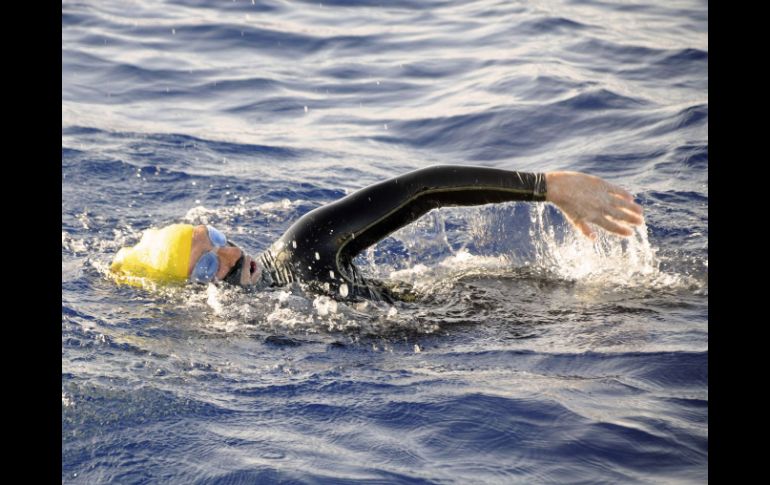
{"x": 208, "y": 264}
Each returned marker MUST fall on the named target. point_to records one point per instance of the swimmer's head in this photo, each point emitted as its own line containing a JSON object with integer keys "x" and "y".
{"x": 182, "y": 253}
{"x": 162, "y": 256}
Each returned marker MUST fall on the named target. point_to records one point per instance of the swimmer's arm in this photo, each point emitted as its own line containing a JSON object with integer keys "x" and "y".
{"x": 374, "y": 212}
{"x": 385, "y": 207}
{"x": 585, "y": 198}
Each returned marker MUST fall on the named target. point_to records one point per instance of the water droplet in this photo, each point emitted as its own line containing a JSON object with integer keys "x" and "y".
{"x": 344, "y": 290}
{"x": 317, "y": 256}
{"x": 294, "y": 244}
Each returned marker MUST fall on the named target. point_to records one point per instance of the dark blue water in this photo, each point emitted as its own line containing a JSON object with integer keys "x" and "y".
{"x": 539, "y": 358}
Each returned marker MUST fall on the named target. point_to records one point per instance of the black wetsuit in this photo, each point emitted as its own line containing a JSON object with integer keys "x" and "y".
{"x": 319, "y": 248}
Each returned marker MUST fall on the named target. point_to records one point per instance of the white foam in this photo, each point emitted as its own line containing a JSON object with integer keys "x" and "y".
{"x": 324, "y": 305}
{"x": 212, "y": 299}
{"x": 609, "y": 260}
{"x": 463, "y": 259}
{"x": 555, "y": 252}
{"x": 283, "y": 204}
{"x": 73, "y": 245}
{"x": 271, "y": 210}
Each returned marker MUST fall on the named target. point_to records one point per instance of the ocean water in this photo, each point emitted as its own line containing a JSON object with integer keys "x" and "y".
{"x": 538, "y": 356}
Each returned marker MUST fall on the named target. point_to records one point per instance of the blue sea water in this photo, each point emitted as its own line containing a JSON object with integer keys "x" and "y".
{"x": 539, "y": 358}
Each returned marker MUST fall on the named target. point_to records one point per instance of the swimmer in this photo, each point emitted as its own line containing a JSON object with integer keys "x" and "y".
{"x": 319, "y": 248}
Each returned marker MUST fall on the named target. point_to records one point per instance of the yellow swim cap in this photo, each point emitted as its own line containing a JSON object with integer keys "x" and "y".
{"x": 162, "y": 256}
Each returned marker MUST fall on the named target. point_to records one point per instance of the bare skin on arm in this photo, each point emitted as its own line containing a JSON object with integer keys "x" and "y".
{"x": 588, "y": 199}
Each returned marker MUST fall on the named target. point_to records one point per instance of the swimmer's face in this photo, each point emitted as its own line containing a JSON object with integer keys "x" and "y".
{"x": 228, "y": 257}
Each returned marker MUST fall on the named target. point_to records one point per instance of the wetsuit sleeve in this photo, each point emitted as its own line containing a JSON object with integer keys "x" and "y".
{"x": 321, "y": 245}
{"x": 390, "y": 205}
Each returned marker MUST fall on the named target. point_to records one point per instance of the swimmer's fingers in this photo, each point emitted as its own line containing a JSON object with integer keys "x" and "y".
{"x": 619, "y": 192}
{"x": 584, "y": 228}
{"x": 613, "y": 226}
{"x": 605, "y": 222}
{"x": 628, "y": 204}
{"x": 624, "y": 214}
{"x": 622, "y": 207}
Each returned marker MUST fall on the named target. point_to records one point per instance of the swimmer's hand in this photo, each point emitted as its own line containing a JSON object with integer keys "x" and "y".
{"x": 585, "y": 198}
